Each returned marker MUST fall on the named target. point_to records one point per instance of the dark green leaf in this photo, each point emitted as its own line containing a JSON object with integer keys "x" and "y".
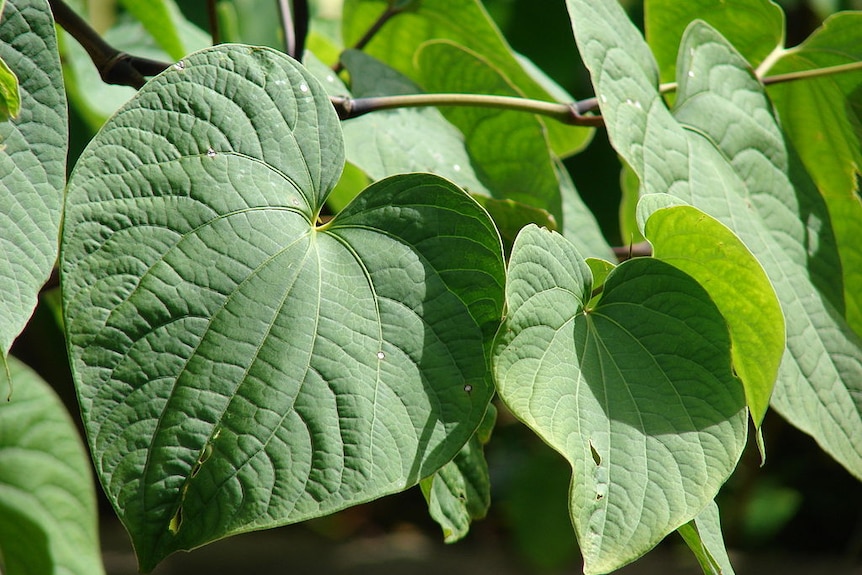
{"x": 240, "y": 365}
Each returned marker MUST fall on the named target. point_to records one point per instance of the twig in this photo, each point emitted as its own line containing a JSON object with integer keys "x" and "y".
{"x": 287, "y": 27}
{"x": 212, "y": 14}
{"x": 114, "y": 66}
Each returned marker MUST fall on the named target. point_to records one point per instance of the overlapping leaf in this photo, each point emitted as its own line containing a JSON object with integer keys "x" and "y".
{"x": 240, "y": 365}
{"x": 823, "y": 118}
{"x": 723, "y": 152}
{"x": 47, "y": 497}
{"x": 636, "y": 392}
{"x": 32, "y": 164}
{"x": 397, "y": 42}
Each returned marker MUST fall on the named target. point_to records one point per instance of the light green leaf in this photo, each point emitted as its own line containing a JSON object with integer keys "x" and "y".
{"x": 703, "y": 536}
{"x": 823, "y": 119}
{"x": 754, "y": 27}
{"x": 162, "y": 19}
{"x": 723, "y": 152}
{"x": 708, "y": 251}
{"x": 32, "y": 164}
{"x": 10, "y": 94}
{"x": 636, "y": 393}
{"x": 461, "y": 491}
{"x": 251, "y": 22}
{"x": 401, "y": 38}
{"x": 239, "y": 365}
{"x": 47, "y": 497}
{"x": 630, "y": 186}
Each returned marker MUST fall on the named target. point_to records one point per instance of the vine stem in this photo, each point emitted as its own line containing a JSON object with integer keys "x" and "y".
{"x": 572, "y": 113}
{"x": 391, "y": 11}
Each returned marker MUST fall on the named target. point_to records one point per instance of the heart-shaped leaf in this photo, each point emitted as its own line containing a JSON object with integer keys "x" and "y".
{"x": 239, "y": 364}
{"x": 636, "y": 392}
{"x": 722, "y": 151}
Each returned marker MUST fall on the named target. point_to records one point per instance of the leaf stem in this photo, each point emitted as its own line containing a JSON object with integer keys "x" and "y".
{"x": 812, "y": 73}
{"x": 572, "y": 113}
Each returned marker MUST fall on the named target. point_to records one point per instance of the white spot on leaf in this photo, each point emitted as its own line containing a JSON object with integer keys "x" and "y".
{"x": 211, "y": 153}
{"x": 381, "y": 355}
{"x": 303, "y": 87}
{"x": 180, "y": 65}
{"x": 468, "y": 388}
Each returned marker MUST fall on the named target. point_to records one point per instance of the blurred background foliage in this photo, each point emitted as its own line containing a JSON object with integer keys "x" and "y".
{"x": 799, "y": 502}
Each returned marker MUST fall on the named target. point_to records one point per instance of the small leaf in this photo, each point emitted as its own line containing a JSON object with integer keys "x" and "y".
{"x": 240, "y": 365}
{"x": 47, "y": 497}
{"x": 703, "y": 537}
{"x": 161, "y": 18}
{"x": 10, "y": 93}
{"x": 636, "y": 392}
{"x": 461, "y": 491}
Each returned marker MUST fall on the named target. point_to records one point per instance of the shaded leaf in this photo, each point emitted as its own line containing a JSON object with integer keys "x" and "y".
{"x": 162, "y": 19}
{"x": 10, "y": 94}
{"x": 703, "y": 536}
{"x": 47, "y": 497}
{"x": 461, "y": 491}
{"x": 400, "y": 39}
{"x": 32, "y": 164}
{"x": 239, "y": 365}
{"x": 636, "y": 393}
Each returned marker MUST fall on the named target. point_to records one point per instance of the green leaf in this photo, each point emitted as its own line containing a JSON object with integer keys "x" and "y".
{"x": 47, "y": 497}
{"x": 579, "y": 224}
{"x": 723, "y": 152}
{"x": 708, "y": 251}
{"x": 392, "y": 142}
{"x": 703, "y": 536}
{"x": 460, "y": 492}
{"x": 240, "y": 366}
{"x": 32, "y": 164}
{"x": 523, "y": 168}
{"x": 10, "y": 94}
{"x": 162, "y": 19}
{"x": 754, "y": 27}
{"x": 636, "y": 393}
{"x": 397, "y": 43}
{"x": 829, "y": 110}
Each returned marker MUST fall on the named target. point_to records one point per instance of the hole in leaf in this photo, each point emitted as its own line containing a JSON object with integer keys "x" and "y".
{"x": 596, "y": 457}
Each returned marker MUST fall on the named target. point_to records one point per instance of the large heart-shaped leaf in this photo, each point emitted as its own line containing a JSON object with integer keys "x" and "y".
{"x": 722, "y": 151}
{"x": 32, "y": 164}
{"x": 48, "y": 520}
{"x": 241, "y": 365}
{"x": 635, "y": 392}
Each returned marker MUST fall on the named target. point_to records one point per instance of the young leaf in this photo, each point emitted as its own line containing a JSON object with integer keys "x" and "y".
{"x": 10, "y": 94}
{"x": 636, "y": 393}
{"x": 32, "y": 164}
{"x": 400, "y": 39}
{"x": 239, "y": 365}
{"x": 47, "y": 497}
{"x": 722, "y": 151}
{"x": 705, "y": 249}
{"x": 835, "y": 167}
